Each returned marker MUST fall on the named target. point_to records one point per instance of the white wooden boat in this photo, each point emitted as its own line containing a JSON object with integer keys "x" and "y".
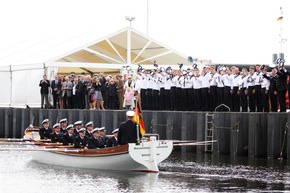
{"x": 132, "y": 157}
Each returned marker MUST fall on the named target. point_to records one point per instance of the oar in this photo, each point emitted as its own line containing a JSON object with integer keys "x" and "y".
{"x": 21, "y": 140}
{"x": 195, "y": 143}
{"x": 33, "y": 143}
{"x": 49, "y": 150}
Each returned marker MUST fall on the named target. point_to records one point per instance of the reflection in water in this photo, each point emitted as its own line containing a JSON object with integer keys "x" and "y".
{"x": 181, "y": 172}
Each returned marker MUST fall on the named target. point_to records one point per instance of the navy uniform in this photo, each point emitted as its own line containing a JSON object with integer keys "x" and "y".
{"x": 173, "y": 94}
{"x": 78, "y": 125}
{"x": 63, "y": 125}
{"x": 213, "y": 89}
{"x": 68, "y": 137}
{"x": 89, "y": 126}
{"x": 155, "y": 93}
{"x": 45, "y": 131}
{"x": 251, "y": 90}
{"x": 265, "y": 90}
{"x": 236, "y": 91}
{"x": 94, "y": 141}
{"x": 197, "y": 79}
{"x": 56, "y": 136}
{"x": 113, "y": 141}
{"x": 102, "y": 138}
{"x": 81, "y": 141}
{"x": 178, "y": 92}
{"x": 220, "y": 85}
{"x": 127, "y": 130}
{"x": 205, "y": 90}
{"x": 228, "y": 90}
{"x": 244, "y": 90}
{"x": 258, "y": 96}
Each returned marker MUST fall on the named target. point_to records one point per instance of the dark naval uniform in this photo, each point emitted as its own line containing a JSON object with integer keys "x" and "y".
{"x": 94, "y": 143}
{"x": 67, "y": 139}
{"x": 103, "y": 141}
{"x": 56, "y": 137}
{"x": 81, "y": 142}
{"x": 112, "y": 142}
{"x": 45, "y": 133}
{"x": 127, "y": 133}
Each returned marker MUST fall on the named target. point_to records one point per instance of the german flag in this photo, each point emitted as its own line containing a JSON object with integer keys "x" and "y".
{"x": 280, "y": 18}
{"x": 139, "y": 119}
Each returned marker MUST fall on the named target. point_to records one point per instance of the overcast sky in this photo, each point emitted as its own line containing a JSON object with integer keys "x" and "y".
{"x": 224, "y": 31}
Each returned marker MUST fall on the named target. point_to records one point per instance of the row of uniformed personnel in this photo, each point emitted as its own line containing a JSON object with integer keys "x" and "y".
{"x": 191, "y": 90}
{"x": 74, "y": 134}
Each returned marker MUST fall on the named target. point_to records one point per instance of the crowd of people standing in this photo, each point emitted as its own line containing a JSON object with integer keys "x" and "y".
{"x": 255, "y": 89}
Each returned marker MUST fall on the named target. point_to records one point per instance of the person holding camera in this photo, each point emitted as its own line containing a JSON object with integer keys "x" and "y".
{"x": 44, "y": 85}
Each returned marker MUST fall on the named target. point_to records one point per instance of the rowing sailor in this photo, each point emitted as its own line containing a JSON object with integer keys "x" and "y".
{"x": 103, "y": 138}
{"x": 68, "y": 137}
{"x": 81, "y": 141}
{"x": 63, "y": 125}
{"x": 78, "y": 125}
{"x": 94, "y": 141}
{"x": 113, "y": 141}
{"x": 127, "y": 130}
{"x": 89, "y": 126}
{"x": 45, "y": 131}
{"x": 56, "y": 135}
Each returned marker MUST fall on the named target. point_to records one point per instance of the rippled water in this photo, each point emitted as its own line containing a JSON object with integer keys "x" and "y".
{"x": 179, "y": 173}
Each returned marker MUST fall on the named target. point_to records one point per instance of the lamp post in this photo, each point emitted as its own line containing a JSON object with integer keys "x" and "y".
{"x": 129, "y": 18}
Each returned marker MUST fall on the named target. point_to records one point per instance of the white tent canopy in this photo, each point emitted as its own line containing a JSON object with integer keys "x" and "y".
{"x": 22, "y": 65}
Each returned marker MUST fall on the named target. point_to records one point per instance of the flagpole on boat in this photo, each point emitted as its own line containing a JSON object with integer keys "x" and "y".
{"x": 137, "y": 124}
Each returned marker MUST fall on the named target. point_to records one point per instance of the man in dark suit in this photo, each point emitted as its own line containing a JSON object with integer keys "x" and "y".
{"x": 68, "y": 137}
{"x": 127, "y": 130}
{"x": 94, "y": 141}
{"x": 81, "y": 87}
{"x": 281, "y": 86}
{"x": 44, "y": 85}
{"x": 81, "y": 141}
{"x": 55, "y": 91}
{"x": 56, "y": 135}
{"x": 45, "y": 131}
{"x": 113, "y": 141}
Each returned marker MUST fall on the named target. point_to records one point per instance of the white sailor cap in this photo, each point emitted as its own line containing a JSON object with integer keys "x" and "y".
{"x": 184, "y": 72}
{"x": 190, "y": 73}
{"x": 78, "y": 123}
{"x": 45, "y": 121}
{"x": 55, "y": 125}
{"x": 95, "y": 130}
{"x": 130, "y": 113}
{"x": 63, "y": 120}
{"x": 115, "y": 131}
{"x": 89, "y": 124}
{"x": 71, "y": 126}
{"x": 82, "y": 130}
{"x": 102, "y": 129}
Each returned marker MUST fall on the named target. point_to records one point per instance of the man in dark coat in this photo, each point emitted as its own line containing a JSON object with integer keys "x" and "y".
{"x": 94, "y": 141}
{"x": 113, "y": 141}
{"x": 127, "y": 130}
{"x": 45, "y": 131}
{"x": 281, "y": 86}
{"x": 102, "y": 137}
{"x": 44, "y": 85}
{"x": 55, "y": 85}
{"x": 81, "y": 141}
{"x": 56, "y": 136}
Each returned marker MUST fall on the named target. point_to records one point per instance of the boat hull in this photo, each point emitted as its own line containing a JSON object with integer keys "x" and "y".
{"x": 132, "y": 157}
